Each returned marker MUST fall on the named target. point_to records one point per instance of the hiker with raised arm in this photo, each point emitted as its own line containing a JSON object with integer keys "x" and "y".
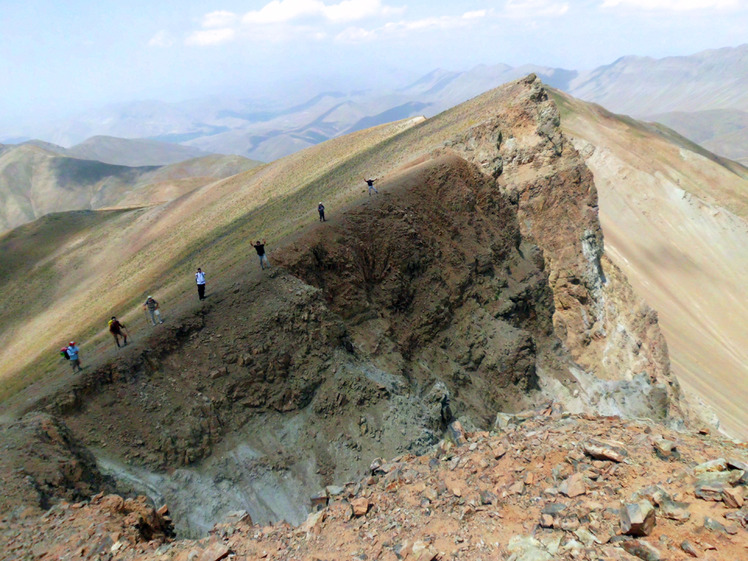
{"x": 200, "y": 278}
{"x": 75, "y": 362}
{"x": 152, "y": 309}
{"x": 260, "y": 249}
{"x": 118, "y": 329}
{"x": 370, "y": 183}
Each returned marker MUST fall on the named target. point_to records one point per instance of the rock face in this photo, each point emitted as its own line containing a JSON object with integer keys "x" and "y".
{"x": 606, "y": 327}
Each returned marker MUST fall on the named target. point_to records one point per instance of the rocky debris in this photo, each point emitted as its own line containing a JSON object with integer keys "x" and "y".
{"x": 637, "y": 519}
{"x": 452, "y": 503}
{"x": 733, "y": 498}
{"x": 42, "y": 463}
{"x": 665, "y": 449}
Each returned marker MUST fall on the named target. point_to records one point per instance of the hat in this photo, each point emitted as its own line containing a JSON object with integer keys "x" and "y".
{"x": 150, "y": 297}
{"x": 114, "y": 317}
{"x": 72, "y": 343}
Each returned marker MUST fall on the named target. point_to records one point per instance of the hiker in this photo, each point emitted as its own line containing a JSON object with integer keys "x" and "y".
{"x": 321, "y": 210}
{"x": 75, "y": 362}
{"x": 370, "y": 183}
{"x": 151, "y": 306}
{"x": 118, "y": 329}
{"x": 200, "y": 278}
{"x": 260, "y": 248}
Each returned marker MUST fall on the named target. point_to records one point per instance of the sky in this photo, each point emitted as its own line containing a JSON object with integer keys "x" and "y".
{"x": 60, "y": 58}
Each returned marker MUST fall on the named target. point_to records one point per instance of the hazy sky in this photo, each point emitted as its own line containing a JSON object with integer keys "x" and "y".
{"x": 62, "y": 57}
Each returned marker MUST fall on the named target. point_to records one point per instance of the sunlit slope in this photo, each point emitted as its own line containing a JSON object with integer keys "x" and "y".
{"x": 108, "y": 264}
{"x": 674, "y": 218}
{"x": 35, "y": 181}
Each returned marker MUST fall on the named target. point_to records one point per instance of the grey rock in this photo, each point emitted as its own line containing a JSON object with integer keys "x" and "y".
{"x": 642, "y": 550}
{"x": 674, "y": 510}
{"x": 690, "y": 549}
{"x": 637, "y": 519}
{"x": 601, "y": 450}
{"x": 713, "y": 465}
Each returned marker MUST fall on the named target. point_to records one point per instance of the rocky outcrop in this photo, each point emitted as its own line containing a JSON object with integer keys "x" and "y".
{"x": 42, "y": 462}
{"x": 609, "y": 331}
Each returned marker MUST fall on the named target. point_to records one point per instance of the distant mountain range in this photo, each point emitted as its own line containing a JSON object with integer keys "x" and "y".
{"x": 37, "y": 178}
{"x": 674, "y": 90}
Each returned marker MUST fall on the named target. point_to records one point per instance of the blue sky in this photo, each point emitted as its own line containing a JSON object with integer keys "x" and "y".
{"x": 57, "y": 58}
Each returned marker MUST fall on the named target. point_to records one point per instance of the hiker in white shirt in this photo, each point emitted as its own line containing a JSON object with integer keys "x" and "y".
{"x": 200, "y": 278}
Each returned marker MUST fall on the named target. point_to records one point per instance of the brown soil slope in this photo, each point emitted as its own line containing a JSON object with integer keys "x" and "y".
{"x": 675, "y": 219}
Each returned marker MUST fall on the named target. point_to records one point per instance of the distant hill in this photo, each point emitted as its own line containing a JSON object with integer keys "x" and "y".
{"x": 722, "y": 131}
{"x": 131, "y": 152}
{"x": 269, "y": 129}
{"x": 35, "y": 181}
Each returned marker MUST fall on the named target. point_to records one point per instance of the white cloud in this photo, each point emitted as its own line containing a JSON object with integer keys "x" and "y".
{"x": 521, "y": 9}
{"x": 358, "y": 34}
{"x": 161, "y": 39}
{"x": 219, "y": 19}
{"x": 210, "y": 36}
{"x": 673, "y": 5}
{"x": 281, "y": 11}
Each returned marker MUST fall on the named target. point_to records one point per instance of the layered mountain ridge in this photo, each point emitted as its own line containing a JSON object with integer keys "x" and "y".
{"x": 475, "y": 281}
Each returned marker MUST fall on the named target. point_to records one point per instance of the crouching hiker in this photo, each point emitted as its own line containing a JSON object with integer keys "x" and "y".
{"x": 117, "y": 329}
{"x": 75, "y": 362}
{"x": 152, "y": 308}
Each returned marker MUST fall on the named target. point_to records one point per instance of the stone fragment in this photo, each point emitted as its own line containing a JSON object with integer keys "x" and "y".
{"x": 733, "y": 463}
{"x": 546, "y": 521}
{"x": 553, "y": 508}
{"x": 690, "y": 549}
{"x": 487, "y": 497}
{"x": 713, "y": 525}
{"x": 740, "y": 516}
{"x": 604, "y": 450}
{"x": 665, "y": 449}
{"x": 586, "y": 537}
{"x": 499, "y": 451}
{"x": 654, "y": 494}
{"x": 214, "y": 552}
{"x": 713, "y": 465}
{"x": 525, "y": 548}
{"x": 642, "y": 550}
{"x": 517, "y": 488}
{"x": 319, "y": 500}
{"x": 360, "y": 506}
{"x": 456, "y": 433}
{"x": 573, "y": 486}
{"x": 733, "y": 497}
{"x": 423, "y": 552}
{"x": 313, "y": 522}
{"x": 334, "y": 490}
{"x": 710, "y": 492}
{"x": 637, "y": 519}
{"x": 674, "y": 510}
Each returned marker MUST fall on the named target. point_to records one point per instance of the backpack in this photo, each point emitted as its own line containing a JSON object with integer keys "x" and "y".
{"x": 64, "y": 353}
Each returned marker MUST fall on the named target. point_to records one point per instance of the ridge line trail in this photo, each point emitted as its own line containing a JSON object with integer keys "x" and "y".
{"x": 100, "y": 350}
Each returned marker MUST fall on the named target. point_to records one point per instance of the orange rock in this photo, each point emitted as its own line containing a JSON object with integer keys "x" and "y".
{"x": 360, "y": 506}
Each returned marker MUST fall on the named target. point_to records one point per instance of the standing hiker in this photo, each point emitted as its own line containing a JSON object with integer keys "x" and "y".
{"x": 152, "y": 309}
{"x": 321, "y": 210}
{"x": 370, "y": 183}
{"x": 117, "y": 329}
{"x": 260, "y": 248}
{"x": 200, "y": 278}
{"x": 75, "y": 362}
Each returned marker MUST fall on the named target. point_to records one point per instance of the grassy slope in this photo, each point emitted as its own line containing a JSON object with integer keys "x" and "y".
{"x": 675, "y": 220}
{"x": 113, "y": 267}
